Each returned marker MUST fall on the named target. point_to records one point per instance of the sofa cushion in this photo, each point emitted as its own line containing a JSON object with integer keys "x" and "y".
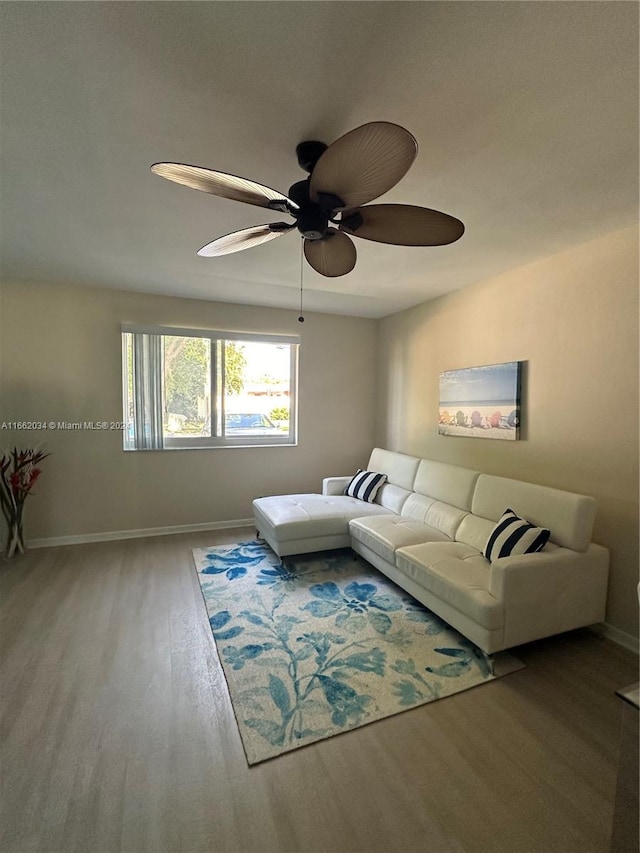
{"x": 513, "y": 535}
{"x": 433, "y": 513}
{"x": 456, "y": 574}
{"x": 383, "y": 534}
{"x": 444, "y": 517}
{"x": 393, "y": 498}
{"x": 474, "y": 531}
{"x": 364, "y": 485}
{"x": 416, "y": 506}
{"x": 306, "y": 516}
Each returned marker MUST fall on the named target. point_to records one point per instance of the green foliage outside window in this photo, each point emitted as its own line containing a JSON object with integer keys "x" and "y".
{"x": 279, "y": 413}
{"x": 234, "y": 365}
{"x": 186, "y": 373}
{"x": 186, "y": 369}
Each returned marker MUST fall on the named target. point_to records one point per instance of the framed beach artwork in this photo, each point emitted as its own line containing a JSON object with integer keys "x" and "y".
{"x": 481, "y": 402}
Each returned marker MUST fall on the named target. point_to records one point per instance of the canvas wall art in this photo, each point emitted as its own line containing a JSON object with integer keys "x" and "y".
{"x": 481, "y": 402}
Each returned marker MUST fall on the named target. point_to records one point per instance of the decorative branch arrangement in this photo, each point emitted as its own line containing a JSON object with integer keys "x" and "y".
{"x": 19, "y": 472}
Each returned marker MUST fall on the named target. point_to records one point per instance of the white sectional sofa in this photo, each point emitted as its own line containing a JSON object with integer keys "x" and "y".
{"x": 427, "y": 531}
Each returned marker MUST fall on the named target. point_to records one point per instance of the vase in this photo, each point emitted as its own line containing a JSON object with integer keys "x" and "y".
{"x": 15, "y": 537}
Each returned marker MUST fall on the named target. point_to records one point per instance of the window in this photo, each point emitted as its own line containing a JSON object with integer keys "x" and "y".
{"x": 185, "y": 388}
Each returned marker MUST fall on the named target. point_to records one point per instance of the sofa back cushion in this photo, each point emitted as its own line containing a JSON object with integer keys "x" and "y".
{"x": 569, "y": 517}
{"x": 444, "y": 517}
{"x": 447, "y": 483}
{"x": 416, "y": 506}
{"x": 474, "y": 531}
{"x": 399, "y": 468}
{"x": 401, "y": 472}
{"x": 393, "y": 497}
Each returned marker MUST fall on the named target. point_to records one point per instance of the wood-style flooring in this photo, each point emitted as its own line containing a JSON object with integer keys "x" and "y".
{"x": 118, "y": 733}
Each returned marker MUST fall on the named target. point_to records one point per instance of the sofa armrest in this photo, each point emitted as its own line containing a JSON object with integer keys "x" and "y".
{"x": 335, "y": 485}
{"x": 550, "y": 592}
{"x": 526, "y": 574}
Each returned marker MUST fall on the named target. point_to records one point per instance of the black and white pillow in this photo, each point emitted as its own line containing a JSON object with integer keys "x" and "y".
{"x": 364, "y": 485}
{"x": 513, "y": 535}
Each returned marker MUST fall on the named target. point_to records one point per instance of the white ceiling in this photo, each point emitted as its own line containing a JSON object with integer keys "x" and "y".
{"x": 526, "y": 116}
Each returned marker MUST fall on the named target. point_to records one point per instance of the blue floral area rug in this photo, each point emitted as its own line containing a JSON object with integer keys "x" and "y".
{"x": 325, "y": 643}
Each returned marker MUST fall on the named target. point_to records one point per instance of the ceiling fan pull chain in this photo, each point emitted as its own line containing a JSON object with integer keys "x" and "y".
{"x": 301, "y": 317}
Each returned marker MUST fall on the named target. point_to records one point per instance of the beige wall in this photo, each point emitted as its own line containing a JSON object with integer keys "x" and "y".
{"x": 573, "y": 318}
{"x": 61, "y": 360}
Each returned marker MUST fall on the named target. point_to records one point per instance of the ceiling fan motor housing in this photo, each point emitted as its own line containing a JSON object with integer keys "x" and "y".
{"x": 312, "y": 222}
{"x": 308, "y": 153}
{"x": 299, "y": 192}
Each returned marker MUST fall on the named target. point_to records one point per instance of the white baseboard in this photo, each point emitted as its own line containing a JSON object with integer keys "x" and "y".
{"x": 112, "y": 535}
{"x": 617, "y": 636}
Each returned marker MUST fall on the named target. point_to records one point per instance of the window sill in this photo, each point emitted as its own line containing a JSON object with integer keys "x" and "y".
{"x": 209, "y": 447}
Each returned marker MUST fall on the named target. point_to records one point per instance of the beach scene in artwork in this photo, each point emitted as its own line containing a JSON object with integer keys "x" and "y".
{"x": 481, "y": 402}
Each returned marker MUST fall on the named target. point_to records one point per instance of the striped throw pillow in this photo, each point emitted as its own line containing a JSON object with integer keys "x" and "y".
{"x": 364, "y": 485}
{"x": 513, "y": 535}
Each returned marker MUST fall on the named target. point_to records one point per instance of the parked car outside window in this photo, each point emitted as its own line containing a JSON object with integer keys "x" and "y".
{"x": 245, "y": 423}
{"x": 248, "y": 423}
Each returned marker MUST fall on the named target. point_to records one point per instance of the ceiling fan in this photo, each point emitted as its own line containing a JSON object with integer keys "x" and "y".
{"x": 331, "y": 203}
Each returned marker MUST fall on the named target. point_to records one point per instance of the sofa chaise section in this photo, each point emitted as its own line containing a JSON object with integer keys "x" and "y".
{"x": 299, "y": 524}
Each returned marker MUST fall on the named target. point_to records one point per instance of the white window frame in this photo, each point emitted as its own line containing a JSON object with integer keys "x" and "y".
{"x": 195, "y": 442}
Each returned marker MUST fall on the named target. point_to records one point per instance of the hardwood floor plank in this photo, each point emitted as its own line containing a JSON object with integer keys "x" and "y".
{"x": 118, "y": 734}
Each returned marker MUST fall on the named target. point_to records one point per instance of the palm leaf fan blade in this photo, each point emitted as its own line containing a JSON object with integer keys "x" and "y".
{"x": 364, "y": 163}
{"x": 244, "y": 239}
{"x": 332, "y": 256}
{"x": 223, "y": 185}
{"x": 402, "y": 225}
